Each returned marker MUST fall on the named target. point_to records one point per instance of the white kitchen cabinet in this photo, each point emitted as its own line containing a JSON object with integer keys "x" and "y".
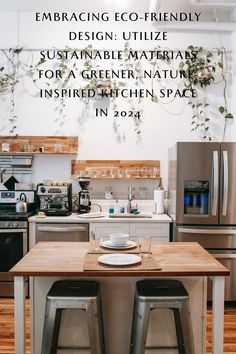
{"x": 139, "y": 229}
{"x": 157, "y": 230}
{"x": 104, "y": 229}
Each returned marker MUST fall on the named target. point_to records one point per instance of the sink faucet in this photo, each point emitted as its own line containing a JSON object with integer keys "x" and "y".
{"x": 130, "y": 198}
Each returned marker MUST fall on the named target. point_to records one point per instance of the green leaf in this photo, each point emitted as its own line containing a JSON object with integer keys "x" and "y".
{"x": 154, "y": 99}
{"x": 221, "y": 109}
{"x": 18, "y": 50}
{"x": 229, "y": 116}
{"x": 220, "y": 64}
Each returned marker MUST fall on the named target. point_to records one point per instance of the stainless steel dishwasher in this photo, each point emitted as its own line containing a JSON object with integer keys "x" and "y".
{"x": 62, "y": 232}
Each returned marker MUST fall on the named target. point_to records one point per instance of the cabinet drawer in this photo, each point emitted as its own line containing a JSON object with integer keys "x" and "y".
{"x": 160, "y": 230}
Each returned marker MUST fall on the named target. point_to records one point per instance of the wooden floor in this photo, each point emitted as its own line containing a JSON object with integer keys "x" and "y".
{"x": 7, "y": 329}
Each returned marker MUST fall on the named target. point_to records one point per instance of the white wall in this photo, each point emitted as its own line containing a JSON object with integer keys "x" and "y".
{"x": 162, "y": 125}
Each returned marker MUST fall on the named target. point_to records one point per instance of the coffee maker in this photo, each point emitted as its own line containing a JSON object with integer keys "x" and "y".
{"x": 55, "y": 200}
{"x": 84, "y": 197}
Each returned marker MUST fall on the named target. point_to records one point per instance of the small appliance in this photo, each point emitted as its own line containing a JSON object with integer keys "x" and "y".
{"x": 84, "y": 197}
{"x": 55, "y": 200}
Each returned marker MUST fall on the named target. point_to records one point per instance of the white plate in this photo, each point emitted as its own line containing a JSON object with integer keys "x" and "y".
{"x": 109, "y": 244}
{"x": 91, "y": 215}
{"x": 121, "y": 259}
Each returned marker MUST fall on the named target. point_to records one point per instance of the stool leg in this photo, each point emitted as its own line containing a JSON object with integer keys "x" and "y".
{"x": 140, "y": 327}
{"x": 179, "y": 332}
{"x": 95, "y": 328}
{"x": 56, "y": 331}
{"x": 188, "y": 329}
{"x": 50, "y": 314}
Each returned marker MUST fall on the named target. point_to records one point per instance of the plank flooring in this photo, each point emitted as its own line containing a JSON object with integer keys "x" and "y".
{"x": 7, "y": 329}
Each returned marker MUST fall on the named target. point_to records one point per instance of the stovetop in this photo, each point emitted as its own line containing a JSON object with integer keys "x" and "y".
{"x": 6, "y": 215}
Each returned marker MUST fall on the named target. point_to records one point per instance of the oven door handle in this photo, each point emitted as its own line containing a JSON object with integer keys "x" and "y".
{"x": 61, "y": 229}
{"x": 12, "y": 231}
{"x": 224, "y": 255}
{"x": 207, "y": 231}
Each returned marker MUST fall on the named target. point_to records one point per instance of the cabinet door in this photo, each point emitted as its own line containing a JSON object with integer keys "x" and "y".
{"x": 105, "y": 229}
{"x": 158, "y": 230}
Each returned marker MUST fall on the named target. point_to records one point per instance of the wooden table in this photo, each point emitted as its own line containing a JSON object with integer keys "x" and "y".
{"x": 54, "y": 259}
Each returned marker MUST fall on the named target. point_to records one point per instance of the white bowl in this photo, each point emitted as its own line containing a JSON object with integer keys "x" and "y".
{"x": 119, "y": 239}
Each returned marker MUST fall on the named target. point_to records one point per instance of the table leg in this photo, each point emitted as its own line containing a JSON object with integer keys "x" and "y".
{"x": 19, "y": 315}
{"x": 218, "y": 287}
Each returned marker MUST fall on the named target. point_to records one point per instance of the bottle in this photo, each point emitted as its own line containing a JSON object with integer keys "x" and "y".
{"x": 111, "y": 209}
{"x": 158, "y": 197}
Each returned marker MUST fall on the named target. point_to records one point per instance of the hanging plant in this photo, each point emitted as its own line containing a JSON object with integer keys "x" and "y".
{"x": 206, "y": 68}
{"x": 8, "y": 81}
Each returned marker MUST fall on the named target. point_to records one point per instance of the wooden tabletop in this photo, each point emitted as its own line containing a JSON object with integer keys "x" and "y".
{"x": 67, "y": 259}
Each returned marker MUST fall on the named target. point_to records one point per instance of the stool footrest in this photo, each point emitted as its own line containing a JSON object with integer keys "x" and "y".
{"x": 71, "y": 347}
{"x": 152, "y": 347}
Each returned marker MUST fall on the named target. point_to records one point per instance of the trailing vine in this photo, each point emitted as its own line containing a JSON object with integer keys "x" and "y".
{"x": 206, "y": 68}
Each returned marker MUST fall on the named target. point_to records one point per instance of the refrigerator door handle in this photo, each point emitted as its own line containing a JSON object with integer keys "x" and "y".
{"x": 207, "y": 231}
{"x": 215, "y": 178}
{"x": 223, "y": 256}
{"x": 225, "y": 183}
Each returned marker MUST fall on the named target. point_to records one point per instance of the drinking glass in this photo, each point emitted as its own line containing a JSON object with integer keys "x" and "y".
{"x": 144, "y": 246}
{"x": 94, "y": 243}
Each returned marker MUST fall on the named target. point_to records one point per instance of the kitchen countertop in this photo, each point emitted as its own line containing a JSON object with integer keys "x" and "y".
{"x": 67, "y": 259}
{"x": 75, "y": 218}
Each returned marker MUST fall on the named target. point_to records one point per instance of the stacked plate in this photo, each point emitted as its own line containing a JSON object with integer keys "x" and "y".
{"x": 109, "y": 244}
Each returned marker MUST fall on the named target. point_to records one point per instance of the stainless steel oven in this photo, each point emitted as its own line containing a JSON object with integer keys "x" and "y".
{"x": 13, "y": 246}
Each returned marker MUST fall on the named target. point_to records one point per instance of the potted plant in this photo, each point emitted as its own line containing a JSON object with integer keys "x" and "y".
{"x": 206, "y": 68}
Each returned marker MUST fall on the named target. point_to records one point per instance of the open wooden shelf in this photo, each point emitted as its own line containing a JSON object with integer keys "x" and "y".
{"x": 40, "y": 144}
{"x": 116, "y": 169}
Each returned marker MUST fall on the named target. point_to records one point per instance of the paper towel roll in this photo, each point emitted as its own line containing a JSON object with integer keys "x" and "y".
{"x": 159, "y": 201}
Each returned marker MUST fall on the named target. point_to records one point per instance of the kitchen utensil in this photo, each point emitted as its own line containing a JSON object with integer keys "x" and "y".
{"x": 10, "y": 183}
{"x": 22, "y": 205}
{"x": 121, "y": 259}
{"x": 2, "y": 171}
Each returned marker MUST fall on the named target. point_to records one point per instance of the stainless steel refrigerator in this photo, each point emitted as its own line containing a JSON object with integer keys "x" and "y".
{"x": 202, "y": 200}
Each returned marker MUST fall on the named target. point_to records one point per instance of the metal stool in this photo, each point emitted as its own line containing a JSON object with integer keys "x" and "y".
{"x": 153, "y": 294}
{"x": 84, "y": 295}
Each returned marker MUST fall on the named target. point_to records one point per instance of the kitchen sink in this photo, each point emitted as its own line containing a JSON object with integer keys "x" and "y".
{"x": 131, "y": 216}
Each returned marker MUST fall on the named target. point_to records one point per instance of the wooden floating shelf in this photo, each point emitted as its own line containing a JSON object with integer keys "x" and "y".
{"x": 116, "y": 169}
{"x": 39, "y": 144}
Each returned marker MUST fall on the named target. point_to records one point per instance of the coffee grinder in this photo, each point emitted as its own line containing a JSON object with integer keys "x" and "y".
{"x": 84, "y": 197}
